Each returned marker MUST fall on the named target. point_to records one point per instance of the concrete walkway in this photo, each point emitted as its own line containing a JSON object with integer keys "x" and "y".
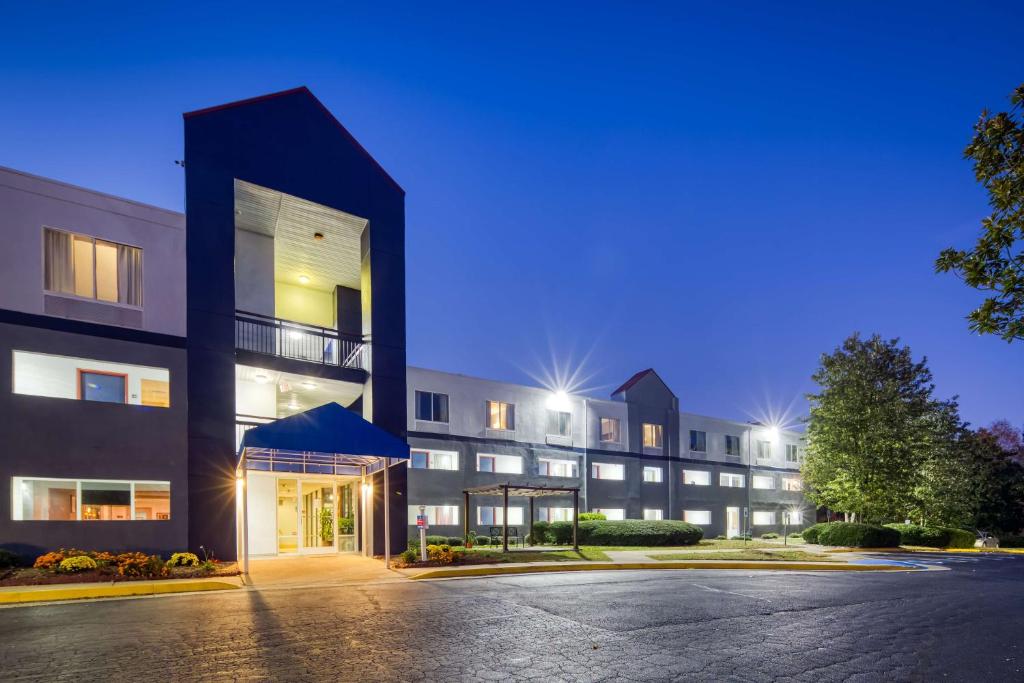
{"x": 337, "y": 569}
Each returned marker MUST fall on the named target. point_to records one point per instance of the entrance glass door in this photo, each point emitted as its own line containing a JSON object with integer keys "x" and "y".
{"x": 318, "y": 517}
{"x": 732, "y": 522}
{"x": 347, "y": 517}
{"x": 287, "y": 516}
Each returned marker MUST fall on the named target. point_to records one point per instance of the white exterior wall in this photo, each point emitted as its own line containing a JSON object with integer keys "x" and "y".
{"x": 31, "y": 202}
{"x": 467, "y": 397}
{"x": 749, "y": 434}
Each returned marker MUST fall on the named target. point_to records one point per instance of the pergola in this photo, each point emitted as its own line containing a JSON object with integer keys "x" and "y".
{"x": 523, "y": 491}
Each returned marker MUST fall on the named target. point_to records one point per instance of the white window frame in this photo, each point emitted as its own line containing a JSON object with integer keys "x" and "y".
{"x": 706, "y": 478}
{"x": 792, "y": 453}
{"x": 94, "y": 298}
{"x": 657, "y": 434}
{"x": 705, "y": 515}
{"x": 497, "y": 458}
{"x": 764, "y": 478}
{"x": 731, "y": 477}
{"x": 416, "y": 405}
{"x": 16, "y": 508}
{"x": 788, "y": 484}
{"x": 764, "y": 449}
{"x": 761, "y": 514}
{"x": 544, "y": 514}
{"x": 430, "y": 458}
{"x": 431, "y": 512}
{"x": 557, "y": 416}
{"x": 487, "y": 415}
{"x": 514, "y": 511}
{"x": 572, "y": 464}
{"x": 658, "y": 479}
{"x": 691, "y": 440}
{"x": 611, "y": 514}
{"x": 618, "y": 430}
{"x": 595, "y": 468}
{"x": 739, "y": 445}
{"x": 649, "y": 514}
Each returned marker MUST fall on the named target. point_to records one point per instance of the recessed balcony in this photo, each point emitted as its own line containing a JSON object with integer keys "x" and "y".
{"x": 298, "y": 341}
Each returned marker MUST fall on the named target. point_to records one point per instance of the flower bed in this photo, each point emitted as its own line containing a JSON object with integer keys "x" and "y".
{"x": 80, "y": 566}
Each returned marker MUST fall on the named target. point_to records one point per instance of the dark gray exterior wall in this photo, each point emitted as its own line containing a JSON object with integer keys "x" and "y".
{"x": 71, "y": 439}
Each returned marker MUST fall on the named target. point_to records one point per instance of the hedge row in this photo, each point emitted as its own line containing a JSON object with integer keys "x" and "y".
{"x": 933, "y": 537}
{"x": 628, "y": 532}
{"x": 852, "y": 534}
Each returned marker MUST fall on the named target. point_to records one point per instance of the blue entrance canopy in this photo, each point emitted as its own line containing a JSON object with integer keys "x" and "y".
{"x": 328, "y": 429}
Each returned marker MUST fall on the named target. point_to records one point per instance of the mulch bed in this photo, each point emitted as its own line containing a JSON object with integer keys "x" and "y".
{"x": 27, "y": 576}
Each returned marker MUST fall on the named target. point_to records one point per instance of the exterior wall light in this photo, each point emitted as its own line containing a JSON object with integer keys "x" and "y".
{"x": 303, "y": 279}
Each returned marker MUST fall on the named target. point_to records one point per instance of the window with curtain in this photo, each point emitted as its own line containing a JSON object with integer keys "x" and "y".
{"x": 92, "y": 268}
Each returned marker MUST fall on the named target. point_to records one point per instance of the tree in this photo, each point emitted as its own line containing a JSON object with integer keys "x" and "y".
{"x": 996, "y": 264}
{"x": 873, "y": 428}
{"x": 1009, "y": 438}
{"x": 1000, "y": 487}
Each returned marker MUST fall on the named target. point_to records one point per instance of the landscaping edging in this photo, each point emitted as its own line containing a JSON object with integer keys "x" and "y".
{"x": 456, "y": 572}
{"x": 122, "y": 589}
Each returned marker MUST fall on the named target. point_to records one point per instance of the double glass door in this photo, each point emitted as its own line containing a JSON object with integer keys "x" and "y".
{"x": 315, "y": 516}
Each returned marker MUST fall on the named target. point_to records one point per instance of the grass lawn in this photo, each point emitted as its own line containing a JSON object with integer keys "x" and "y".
{"x": 778, "y": 556}
{"x": 490, "y": 555}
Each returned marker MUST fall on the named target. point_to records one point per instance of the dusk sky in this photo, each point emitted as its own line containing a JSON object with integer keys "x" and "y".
{"x": 720, "y": 191}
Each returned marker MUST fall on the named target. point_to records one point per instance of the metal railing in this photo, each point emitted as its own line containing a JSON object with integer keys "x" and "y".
{"x": 288, "y": 339}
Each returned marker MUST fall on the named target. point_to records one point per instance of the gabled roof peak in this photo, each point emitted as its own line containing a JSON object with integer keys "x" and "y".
{"x": 629, "y": 383}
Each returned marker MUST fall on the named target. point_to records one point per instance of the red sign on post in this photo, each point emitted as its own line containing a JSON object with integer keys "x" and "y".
{"x": 421, "y": 521}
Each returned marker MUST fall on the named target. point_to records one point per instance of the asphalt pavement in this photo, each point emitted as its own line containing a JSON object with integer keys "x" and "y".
{"x": 965, "y": 624}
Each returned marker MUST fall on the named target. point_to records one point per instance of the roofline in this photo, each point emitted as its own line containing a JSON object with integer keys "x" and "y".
{"x": 295, "y": 91}
{"x": 89, "y": 190}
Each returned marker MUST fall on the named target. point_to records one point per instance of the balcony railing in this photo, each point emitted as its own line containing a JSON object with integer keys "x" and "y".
{"x": 288, "y": 339}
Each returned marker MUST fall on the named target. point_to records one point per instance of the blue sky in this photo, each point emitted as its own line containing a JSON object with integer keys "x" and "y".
{"x": 721, "y": 191}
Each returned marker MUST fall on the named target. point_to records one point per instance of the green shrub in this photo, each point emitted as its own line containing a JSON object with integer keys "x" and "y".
{"x": 409, "y": 556}
{"x": 636, "y": 532}
{"x": 1011, "y": 541}
{"x": 76, "y": 563}
{"x": 720, "y": 537}
{"x": 455, "y": 540}
{"x": 812, "y": 532}
{"x": 933, "y": 537}
{"x": 560, "y": 532}
{"x": 8, "y": 559}
{"x": 858, "y": 535}
{"x": 592, "y": 517}
{"x": 796, "y": 534}
{"x": 740, "y": 537}
{"x": 481, "y": 540}
{"x": 183, "y": 560}
{"x": 770, "y": 535}
{"x": 540, "y": 532}
{"x": 436, "y": 540}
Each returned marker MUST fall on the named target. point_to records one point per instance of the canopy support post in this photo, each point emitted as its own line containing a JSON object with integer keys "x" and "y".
{"x": 533, "y": 541}
{"x": 504, "y": 521}
{"x": 245, "y": 520}
{"x": 387, "y": 519}
{"x": 465, "y": 518}
{"x": 575, "y": 520}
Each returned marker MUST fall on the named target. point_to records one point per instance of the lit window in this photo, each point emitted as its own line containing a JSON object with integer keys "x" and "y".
{"x": 653, "y": 475}
{"x": 760, "y": 481}
{"x": 40, "y": 374}
{"x": 607, "y": 470}
{"x": 501, "y": 415}
{"x": 616, "y": 514}
{"x": 698, "y": 441}
{"x": 495, "y": 514}
{"x": 795, "y": 516}
{"x": 731, "y": 480}
{"x": 764, "y": 450}
{"x": 434, "y": 460}
{"x": 437, "y": 515}
{"x": 763, "y": 517}
{"x": 499, "y": 464}
{"x": 431, "y": 407}
{"x": 697, "y": 516}
{"x": 555, "y": 514}
{"x": 792, "y": 484}
{"x": 697, "y": 477}
{"x": 92, "y": 268}
{"x": 792, "y": 453}
{"x": 652, "y": 435}
{"x": 653, "y": 514}
{"x": 549, "y": 467}
{"x": 732, "y": 445}
{"x": 90, "y": 500}
{"x": 610, "y": 429}
{"x": 559, "y": 423}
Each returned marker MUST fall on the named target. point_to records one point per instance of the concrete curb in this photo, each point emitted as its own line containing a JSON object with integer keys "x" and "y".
{"x": 106, "y": 590}
{"x": 921, "y": 549}
{"x": 611, "y": 566}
